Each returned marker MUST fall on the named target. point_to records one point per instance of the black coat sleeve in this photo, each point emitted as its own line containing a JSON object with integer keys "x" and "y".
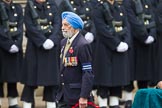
{"x": 56, "y": 25}
{"x": 87, "y": 76}
{"x": 35, "y": 35}
{"x": 127, "y": 37}
{"x": 152, "y": 31}
{"x": 5, "y": 41}
{"x": 138, "y": 29}
{"x": 19, "y": 38}
{"x": 159, "y": 17}
{"x": 102, "y": 32}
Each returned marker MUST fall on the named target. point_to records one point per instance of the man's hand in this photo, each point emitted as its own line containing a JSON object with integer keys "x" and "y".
{"x": 83, "y": 102}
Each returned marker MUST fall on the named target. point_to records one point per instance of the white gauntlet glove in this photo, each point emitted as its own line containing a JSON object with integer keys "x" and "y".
{"x": 149, "y": 40}
{"x": 48, "y": 44}
{"x": 89, "y": 37}
{"x": 14, "y": 49}
{"x": 122, "y": 47}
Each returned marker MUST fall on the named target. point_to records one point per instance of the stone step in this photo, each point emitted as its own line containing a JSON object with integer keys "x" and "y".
{"x": 39, "y": 103}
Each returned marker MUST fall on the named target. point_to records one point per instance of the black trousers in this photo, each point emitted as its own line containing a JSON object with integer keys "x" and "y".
{"x": 105, "y": 92}
{"x": 129, "y": 87}
{"x": 142, "y": 84}
{"x": 152, "y": 83}
{"x": 11, "y": 90}
{"x": 49, "y": 93}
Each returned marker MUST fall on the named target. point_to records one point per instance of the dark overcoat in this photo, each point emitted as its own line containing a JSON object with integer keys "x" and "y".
{"x": 110, "y": 66}
{"x": 158, "y": 13}
{"x": 76, "y": 77}
{"x": 143, "y": 53}
{"x": 11, "y": 63}
{"x": 41, "y": 66}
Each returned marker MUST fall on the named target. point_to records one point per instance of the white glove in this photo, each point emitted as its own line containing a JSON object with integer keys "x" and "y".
{"x": 89, "y": 37}
{"x": 14, "y": 49}
{"x": 149, "y": 40}
{"x": 122, "y": 47}
{"x": 48, "y": 44}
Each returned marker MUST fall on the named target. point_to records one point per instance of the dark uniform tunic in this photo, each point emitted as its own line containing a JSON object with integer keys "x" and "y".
{"x": 158, "y": 11}
{"x": 154, "y": 79}
{"x": 11, "y": 63}
{"x": 76, "y": 78}
{"x": 110, "y": 66}
{"x": 11, "y": 32}
{"x": 41, "y": 66}
{"x": 154, "y": 4}
{"x": 143, "y": 53}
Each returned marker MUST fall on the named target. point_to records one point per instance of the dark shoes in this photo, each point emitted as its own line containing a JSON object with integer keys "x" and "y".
{"x": 14, "y": 106}
{"x": 128, "y": 104}
{"x": 33, "y": 105}
{"x": 117, "y": 106}
{"x": 122, "y": 102}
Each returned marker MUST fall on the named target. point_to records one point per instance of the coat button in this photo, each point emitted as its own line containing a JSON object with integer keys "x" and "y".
{"x": 62, "y": 75}
{"x": 62, "y": 83}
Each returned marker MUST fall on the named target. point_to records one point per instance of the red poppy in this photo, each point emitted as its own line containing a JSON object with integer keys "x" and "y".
{"x": 71, "y": 50}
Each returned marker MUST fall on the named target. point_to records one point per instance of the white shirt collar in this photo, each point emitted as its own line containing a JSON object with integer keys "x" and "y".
{"x": 73, "y": 37}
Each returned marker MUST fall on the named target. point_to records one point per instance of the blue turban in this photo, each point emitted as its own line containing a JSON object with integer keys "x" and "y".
{"x": 73, "y": 19}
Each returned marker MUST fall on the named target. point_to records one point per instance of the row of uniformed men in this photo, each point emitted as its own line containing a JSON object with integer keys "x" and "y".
{"x": 125, "y": 45}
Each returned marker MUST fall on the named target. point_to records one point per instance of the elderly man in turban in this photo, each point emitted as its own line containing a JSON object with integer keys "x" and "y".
{"x": 76, "y": 77}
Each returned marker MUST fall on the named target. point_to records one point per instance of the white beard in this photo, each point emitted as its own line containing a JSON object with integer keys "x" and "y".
{"x": 67, "y": 34}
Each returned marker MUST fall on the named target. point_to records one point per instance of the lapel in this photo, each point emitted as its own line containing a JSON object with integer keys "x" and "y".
{"x": 68, "y": 54}
{"x": 73, "y": 45}
{"x": 61, "y": 54}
